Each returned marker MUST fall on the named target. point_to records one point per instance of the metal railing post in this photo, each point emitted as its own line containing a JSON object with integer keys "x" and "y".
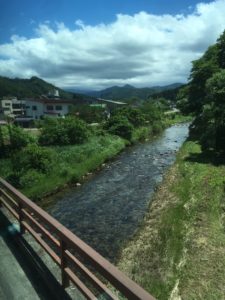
{"x": 20, "y": 207}
{"x": 65, "y": 279}
{"x": 0, "y": 196}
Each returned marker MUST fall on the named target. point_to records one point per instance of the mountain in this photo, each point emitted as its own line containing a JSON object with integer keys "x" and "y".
{"x": 170, "y": 94}
{"x": 128, "y": 91}
{"x": 32, "y": 88}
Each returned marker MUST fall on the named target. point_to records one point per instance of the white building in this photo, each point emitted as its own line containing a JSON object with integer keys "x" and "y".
{"x": 34, "y": 108}
{"x": 13, "y": 107}
{"x": 39, "y": 108}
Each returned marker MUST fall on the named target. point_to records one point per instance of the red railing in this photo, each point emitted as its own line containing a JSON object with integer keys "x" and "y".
{"x": 68, "y": 251}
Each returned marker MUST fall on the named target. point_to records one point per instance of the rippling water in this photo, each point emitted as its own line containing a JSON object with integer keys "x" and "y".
{"x": 107, "y": 210}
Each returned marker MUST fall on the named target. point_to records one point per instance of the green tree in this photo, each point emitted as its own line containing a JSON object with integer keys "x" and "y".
{"x": 221, "y": 50}
{"x": 120, "y": 125}
{"x": 134, "y": 115}
{"x": 215, "y": 87}
{"x": 90, "y": 114}
{"x": 32, "y": 157}
{"x": 202, "y": 70}
{"x": 18, "y": 138}
{"x": 152, "y": 112}
{"x": 70, "y": 130}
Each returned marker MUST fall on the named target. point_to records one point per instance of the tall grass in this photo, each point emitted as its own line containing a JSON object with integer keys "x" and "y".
{"x": 72, "y": 163}
{"x": 180, "y": 249}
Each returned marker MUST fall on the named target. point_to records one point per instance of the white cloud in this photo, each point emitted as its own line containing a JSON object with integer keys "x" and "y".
{"x": 143, "y": 49}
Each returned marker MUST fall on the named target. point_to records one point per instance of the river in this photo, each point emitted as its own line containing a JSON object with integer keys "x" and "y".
{"x": 106, "y": 210}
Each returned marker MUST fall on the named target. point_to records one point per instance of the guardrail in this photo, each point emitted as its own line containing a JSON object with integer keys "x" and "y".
{"x": 68, "y": 251}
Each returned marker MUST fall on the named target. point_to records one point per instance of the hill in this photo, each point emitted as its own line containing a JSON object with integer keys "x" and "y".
{"x": 128, "y": 91}
{"x": 31, "y": 88}
{"x": 170, "y": 94}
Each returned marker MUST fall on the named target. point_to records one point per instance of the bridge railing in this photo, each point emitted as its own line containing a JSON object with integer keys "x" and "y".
{"x": 73, "y": 256}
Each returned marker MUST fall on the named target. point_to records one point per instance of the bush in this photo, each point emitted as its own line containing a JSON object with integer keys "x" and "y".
{"x": 63, "y": 131}
{"x": 18, "y": 138}
{"x": 152, "y": 112}
{"x": 120, "y": 126}
{"x": 134, "y": 115}
{"x": 157, "y": 127}
{"x": 30, "y": 178}
{"x": 90, "y": 114}
{"x": 33, "y": 157}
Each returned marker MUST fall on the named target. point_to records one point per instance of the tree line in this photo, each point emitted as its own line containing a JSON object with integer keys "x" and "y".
{"x": 204, "y": 97}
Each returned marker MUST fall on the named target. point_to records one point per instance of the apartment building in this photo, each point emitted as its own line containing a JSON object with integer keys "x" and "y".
{"x": 13, "y": 107}
{"x": 34, "y": 108}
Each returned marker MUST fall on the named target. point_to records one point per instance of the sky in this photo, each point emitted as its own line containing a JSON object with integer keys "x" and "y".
{"x": 91, "y": 45}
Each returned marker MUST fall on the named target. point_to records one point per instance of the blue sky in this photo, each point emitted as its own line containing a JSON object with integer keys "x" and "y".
{"x": 95, "y": 44}
{"x": 21, "y": 17}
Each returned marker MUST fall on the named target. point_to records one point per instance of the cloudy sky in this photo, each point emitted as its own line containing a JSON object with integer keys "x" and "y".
{"x": 88, "y": 44}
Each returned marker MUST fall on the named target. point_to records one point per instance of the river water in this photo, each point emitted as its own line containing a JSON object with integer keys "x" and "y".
{"x": 107, "y": 210}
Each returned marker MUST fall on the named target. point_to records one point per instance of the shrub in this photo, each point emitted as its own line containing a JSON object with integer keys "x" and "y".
{"x": 30, "y": 178}
{"x": 63, "y": 131}
{"x": 90, "y": 114}
{"x": 157, "y": 127}
{"x": 134, "y": 115}
{"x": 152, "y": 112}
{"x": 120, "y": 126}
{"x": 33, "y": 157}
{"x": 18, "y": 138}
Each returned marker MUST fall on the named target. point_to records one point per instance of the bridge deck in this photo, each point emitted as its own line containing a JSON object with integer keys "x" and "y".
{"x": 18, "y": 277}
{"x": 14, "y": 271}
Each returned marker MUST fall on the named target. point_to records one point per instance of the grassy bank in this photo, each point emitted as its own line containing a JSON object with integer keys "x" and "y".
{"x": 71, "y": 164}
{"x": 177, "y": 118}
{"x": 179, "y": 252}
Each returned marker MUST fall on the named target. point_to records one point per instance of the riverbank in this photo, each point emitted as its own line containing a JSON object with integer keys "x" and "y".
{"x": 179, "y": 251}
{"x": 72, "y": 164}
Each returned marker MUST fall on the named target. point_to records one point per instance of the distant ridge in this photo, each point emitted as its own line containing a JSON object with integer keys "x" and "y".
{"x": 128, "y": 91}
{"x": 32, "y": 88}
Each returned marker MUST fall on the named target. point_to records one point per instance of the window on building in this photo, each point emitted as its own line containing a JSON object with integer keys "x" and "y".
{"x": 17, "y": 113}
{"x": 27, "y": 106}
{"x": 16, "y": 106}
{"x": 58, "y": 107}
{"x": 50, "y": 107}
{"x": 7, "y": 104}
{"x": 6, "y": 109}
{"x": 34, "y": 107}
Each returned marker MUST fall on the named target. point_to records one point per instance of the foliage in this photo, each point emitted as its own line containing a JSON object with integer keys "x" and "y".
{"x": 33, "y": 157}
{"x": 205, "y": 97}
{"x": 133, "y": 115}
{"x": 70, "y": 164}
{"x": 30, "y": 178}
{"x": 18, "y": 138}
{"x": 90, "y": 114}
{"x": 120, "y": 125}
{"x": 202, "y": 70}
{"x": 68, "y": 131}
{"x": 152, "y": 112}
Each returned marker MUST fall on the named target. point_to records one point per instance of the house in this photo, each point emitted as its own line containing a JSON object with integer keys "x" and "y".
{"x": 39, "y": 108}
{"x": 34, "y": 108}
{"x": 12, "y": 107}
{"x": 24, "y": 112}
